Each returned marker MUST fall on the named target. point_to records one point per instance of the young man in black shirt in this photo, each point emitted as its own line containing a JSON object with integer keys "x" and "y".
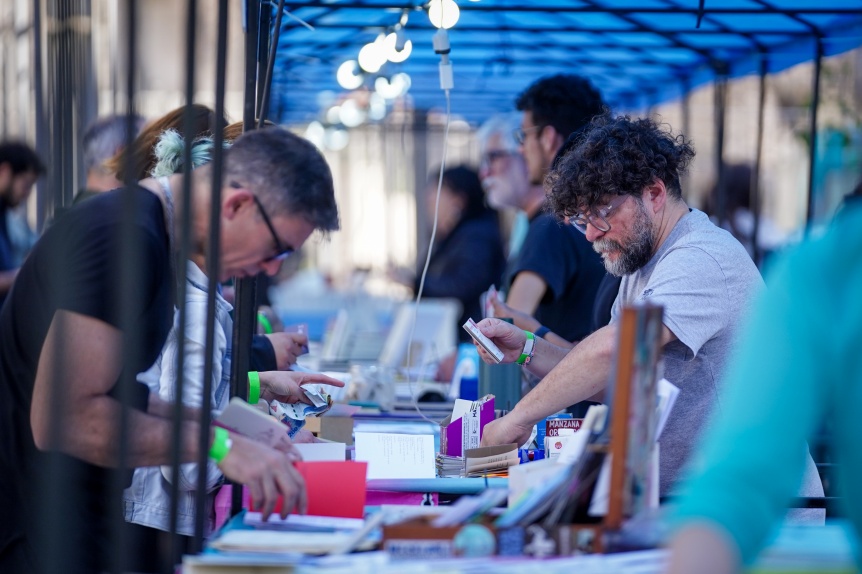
{"x": 69, "y": 316}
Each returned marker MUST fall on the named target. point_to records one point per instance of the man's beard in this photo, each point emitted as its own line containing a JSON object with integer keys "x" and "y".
{"x": 634, "y": 255}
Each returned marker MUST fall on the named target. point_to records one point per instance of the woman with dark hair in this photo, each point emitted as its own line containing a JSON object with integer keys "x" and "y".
{"x": 467, "y": 256}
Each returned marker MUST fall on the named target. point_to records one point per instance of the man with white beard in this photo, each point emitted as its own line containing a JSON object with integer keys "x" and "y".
{"x": 552, "y": 274}
{"x": 620, "y": 186}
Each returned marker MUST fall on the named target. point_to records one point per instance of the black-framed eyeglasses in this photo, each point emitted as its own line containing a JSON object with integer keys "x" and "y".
{"x": 281, "y": 251}
{"x": 598, "y": 218}
{"x": 493, "y": 155}
{"x": 521, "y": 133}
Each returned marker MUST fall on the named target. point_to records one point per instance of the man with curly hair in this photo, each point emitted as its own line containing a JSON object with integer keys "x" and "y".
{"x": 620, "y": 187}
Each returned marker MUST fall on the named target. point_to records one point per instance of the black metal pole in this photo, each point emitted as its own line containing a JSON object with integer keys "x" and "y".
{"x": 244, "y": 296}
{"x": 812, "y": 152}
{"x": 267, "y": 82}
{"x": 213, "y": 259}
{"x": 685, "y": 82}
{"x": 720, "y": 94}
{"x": 39, "y": 106}
{"x": 755, "y": 176}
{"x": 130, "y": 286}
{"x": 180, "y": 262}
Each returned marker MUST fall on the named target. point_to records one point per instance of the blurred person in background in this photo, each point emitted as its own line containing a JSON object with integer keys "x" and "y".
{"x": 551, "y": 286}
{"x": 739, "y": 215}
{"x": 798, "y": 367}
{"x": 467, "y": 256}
{"x": 20, "y": 167}
{"x": 103, "y": 139}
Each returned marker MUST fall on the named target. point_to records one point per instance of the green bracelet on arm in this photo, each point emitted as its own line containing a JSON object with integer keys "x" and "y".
{"x": 253, "y": 387}
{"x": 264, "y": 322}
{"x": 221, "y": 444}
{"x": 529, "y": 349}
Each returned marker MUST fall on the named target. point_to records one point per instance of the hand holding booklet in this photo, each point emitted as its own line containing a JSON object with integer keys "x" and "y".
{"x": 483, "y": 341}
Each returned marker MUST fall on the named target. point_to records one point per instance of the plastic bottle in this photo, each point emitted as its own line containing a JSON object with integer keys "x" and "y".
{"x": 465, "y": 379}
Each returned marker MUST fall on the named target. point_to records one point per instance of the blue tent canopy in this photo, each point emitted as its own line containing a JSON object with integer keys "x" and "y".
{"x": 638, "y": 52}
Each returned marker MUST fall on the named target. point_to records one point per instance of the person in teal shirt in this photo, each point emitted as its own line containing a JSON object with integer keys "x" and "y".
{"x": 800, "y": 363}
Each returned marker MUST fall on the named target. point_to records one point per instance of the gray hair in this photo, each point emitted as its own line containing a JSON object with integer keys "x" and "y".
{"x": 105, "y": 137}
{"x": 286, "y": 173}
{"x": 503, "y": 125}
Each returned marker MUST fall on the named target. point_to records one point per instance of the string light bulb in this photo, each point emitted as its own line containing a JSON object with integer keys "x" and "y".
{"x": 373, "y": 55}
{"x": 394, "y": 52}
{"x": 443, "y": 13}
{"x": 349, "y": 75}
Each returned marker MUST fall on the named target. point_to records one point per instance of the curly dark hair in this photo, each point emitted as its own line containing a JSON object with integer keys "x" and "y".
{"x": 566, "y": 102}
{"x": 616, "y": 156}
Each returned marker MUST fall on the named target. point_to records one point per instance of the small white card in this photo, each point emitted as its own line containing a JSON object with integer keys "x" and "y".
{"x": 318, "y": 451}
{"x": 396, "y": 455}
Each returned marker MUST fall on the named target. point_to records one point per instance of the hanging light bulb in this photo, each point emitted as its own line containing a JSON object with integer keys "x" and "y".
{"x": 349, "y": 75}
{"x": 336, "y": 139}
{"x": 373, "y": 55}
{"x": 397, "y": 46}
{"x": 391, "y": 89}
{"x": 443, "y": 13}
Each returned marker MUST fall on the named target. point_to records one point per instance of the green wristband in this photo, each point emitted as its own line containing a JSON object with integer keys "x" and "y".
{"x": 529, "y": 346}
{"x": 221, "y": 444}
{"x": 253, "y": 387}
{"x": 264, "y": 322}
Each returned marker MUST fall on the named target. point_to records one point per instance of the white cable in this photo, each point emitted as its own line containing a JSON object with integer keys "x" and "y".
{"x": 413, "y": 397}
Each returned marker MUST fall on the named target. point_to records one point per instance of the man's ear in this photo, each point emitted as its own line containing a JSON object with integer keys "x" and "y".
{"x": 5, "y": 174}
{"x": 550, "y": 140}
{"x": 235, "y": 200}
{"x": 655, "y": 195}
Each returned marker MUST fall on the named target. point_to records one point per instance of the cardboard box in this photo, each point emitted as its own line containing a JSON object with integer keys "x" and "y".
{"x": 417, "y": 539}
{"x": 336, "y": 429}
{"x": 453, "y": 433}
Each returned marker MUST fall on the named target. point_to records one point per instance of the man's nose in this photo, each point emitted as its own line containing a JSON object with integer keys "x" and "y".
{"x": 593, "y": 232}
{"x": 271, "y": 267}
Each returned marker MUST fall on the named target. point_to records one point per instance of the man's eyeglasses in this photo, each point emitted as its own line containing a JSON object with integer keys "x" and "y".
{"x": 281, "y": 251}
{"x": 521, "y": 133}
{"x": 495, "y": 154}
{"x": 598, "y": 218}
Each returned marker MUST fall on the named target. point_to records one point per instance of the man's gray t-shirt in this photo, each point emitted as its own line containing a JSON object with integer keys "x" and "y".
{"x": 706, "y": 281}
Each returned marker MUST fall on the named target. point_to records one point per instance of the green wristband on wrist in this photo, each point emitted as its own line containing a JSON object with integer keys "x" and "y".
{"x": 264, "y": 323}
{"x": 253, "y": 387}
{"x": 529, "y": 346}
{"x": 221, "y": 444}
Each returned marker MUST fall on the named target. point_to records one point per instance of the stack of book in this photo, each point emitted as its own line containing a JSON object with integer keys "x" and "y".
{"x": 491, "y": 461}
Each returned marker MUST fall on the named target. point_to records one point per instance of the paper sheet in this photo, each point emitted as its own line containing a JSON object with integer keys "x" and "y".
{"x": 317, "y": 451}
{"x": 396, "y": 455}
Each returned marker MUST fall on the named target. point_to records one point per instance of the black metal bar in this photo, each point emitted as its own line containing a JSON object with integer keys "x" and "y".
{"x": 363, "y": 27}
{"x": 252, "y": 24}
{"x": 185, "y": 226}
{"x": 245, "y": 289}
{"x": 39, "y": 105}
{"x": 685, "y": 105}
{"x": 758, "y": 151}
{"x": 720, "y": 98}
{"x": 263, "y": 36}
{"x": 130, "y": 285}
{"x": 812, "y": 152}
{"x": 213, "y": 259}
{"x": 591, "y": 9}
{"x": 267, "y": 82}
